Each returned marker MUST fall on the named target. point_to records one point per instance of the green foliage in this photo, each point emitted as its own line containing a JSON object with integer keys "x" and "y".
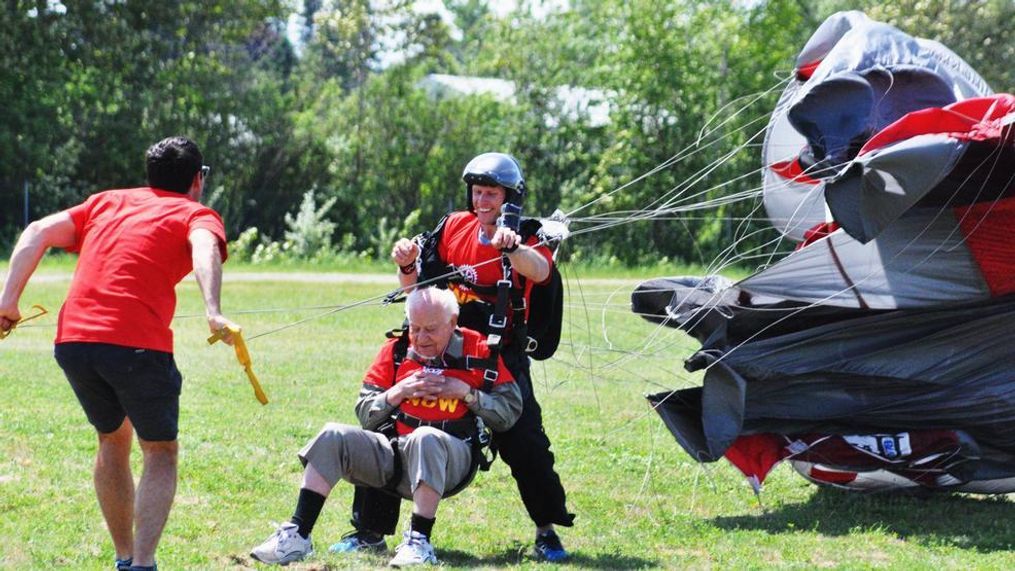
{"x": 308, "y": 232}
{"x": 86, "y": 89}
{"x": 242, "y": 248}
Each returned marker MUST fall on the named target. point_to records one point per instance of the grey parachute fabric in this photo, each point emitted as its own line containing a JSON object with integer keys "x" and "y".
{"x": 875, "y": 356}
{"x": 853, "y": 77}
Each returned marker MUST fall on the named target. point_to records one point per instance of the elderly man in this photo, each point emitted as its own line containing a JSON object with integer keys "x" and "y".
{"x": 434, "y": 398}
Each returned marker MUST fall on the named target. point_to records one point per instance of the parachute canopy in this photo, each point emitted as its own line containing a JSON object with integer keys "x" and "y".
{"x": 887, "y": 332}
{"x": 854, "y": 77}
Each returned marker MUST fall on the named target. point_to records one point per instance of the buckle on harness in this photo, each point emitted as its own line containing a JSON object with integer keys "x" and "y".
{"x": 498, "y": 322}
{"x": 490, "y": 376}
{"x": 531, "y": 345}
{"x": 493, "y": 341}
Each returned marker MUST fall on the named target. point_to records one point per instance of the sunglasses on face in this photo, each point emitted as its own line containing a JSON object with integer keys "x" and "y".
{"x": 205, "y": 171}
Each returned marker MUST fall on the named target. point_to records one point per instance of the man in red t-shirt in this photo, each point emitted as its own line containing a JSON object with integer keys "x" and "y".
{"x": 113, "y": 339}
{"x": 435, "y": 399}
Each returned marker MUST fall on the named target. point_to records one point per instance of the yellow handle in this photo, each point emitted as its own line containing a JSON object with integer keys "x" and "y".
{"x": 243, "y": 356}
{"x": 41, "y": 311}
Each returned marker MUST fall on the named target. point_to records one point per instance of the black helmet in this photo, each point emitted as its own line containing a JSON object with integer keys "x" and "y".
{"x": 495, "y": 169}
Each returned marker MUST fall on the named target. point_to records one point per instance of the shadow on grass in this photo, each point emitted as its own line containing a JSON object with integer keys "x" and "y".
{"x": 983, "y": 523}
{"x": 522, "y": 553}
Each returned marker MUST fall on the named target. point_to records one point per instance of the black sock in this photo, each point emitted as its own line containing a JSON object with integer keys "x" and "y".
{"x": 308, "y": 508}
{"x": 422, "y": 524}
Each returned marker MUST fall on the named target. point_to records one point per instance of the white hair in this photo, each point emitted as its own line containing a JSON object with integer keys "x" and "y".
{"x": 442, "y": 298}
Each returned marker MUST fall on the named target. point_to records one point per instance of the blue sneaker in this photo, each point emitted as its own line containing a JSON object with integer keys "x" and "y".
{"x": 548, "y": 547}
{"x": 123, "y": 564}
{"x": 360, "y": 541}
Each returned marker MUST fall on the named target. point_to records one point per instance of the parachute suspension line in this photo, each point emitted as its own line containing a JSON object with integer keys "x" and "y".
{"x": 588, "y": 328}
{"x": 687, "y": 151}
{"x": 702, "y": 173}
{"x": 645, "y": 215}
{"x": 670, "y": 197}
{"x": 669, "y": 208}
{"x": 743, "y": 233}
{"x": 383, "y": 299}
{"x": 728, "y": 255}
{"x": 754, "y": 98}
{"x": 336, "y": 309}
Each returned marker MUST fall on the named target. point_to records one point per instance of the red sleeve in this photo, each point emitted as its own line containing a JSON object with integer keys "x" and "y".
{"x": 451, "y": 228}
{"x": 543, "y": 251}
{"x": 381, "y": 373}
{"x": 79, "y": 215}
{"x": 210, "y": 220}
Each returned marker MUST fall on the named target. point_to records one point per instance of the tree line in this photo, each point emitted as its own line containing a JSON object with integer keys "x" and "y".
{"x": 320, "y": 136}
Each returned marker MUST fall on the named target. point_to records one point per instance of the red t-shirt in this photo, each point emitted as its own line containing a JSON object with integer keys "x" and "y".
{"x": 461, "y": 247}
{"x": 382, "y": 374}
{"x": 133, "y": 250}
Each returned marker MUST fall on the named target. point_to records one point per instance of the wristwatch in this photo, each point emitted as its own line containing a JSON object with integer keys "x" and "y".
{"x": 471, "y": 397}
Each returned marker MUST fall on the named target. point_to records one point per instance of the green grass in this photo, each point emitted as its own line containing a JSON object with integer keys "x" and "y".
{"x": 58, "y": 262}
{"x": 641, "y": 502}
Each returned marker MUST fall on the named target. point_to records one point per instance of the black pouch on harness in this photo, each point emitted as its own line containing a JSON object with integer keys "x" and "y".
{"x": 546, "y": 311}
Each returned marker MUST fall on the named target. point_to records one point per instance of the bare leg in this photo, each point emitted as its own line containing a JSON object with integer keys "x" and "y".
{"x": 544, "y": 528}
{"x": 314, "y": 481}
{"x": 425, "y": 500}
{"x": 155, "y": 494}
{"x": 114, "y": 487}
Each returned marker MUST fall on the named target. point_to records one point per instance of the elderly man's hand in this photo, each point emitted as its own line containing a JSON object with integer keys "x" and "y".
{"x": 453, "y": 388}
{"x": 419, "y": 385}
{"x": 404, "y": 252}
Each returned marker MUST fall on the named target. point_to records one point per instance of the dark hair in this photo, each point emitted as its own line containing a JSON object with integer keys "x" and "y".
{"x": 172, "y": 163}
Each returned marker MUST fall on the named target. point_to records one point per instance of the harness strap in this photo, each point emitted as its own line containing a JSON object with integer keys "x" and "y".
{"x": 463, "y": 428}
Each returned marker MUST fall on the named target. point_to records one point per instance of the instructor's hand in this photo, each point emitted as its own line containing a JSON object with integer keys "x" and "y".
{"x": 505, "y": 239}
{"x": 9, "y": 315}
{"x": 404, "y": 252}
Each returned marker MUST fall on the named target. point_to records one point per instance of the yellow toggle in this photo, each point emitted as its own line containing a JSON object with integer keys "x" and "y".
{"x": 42, "y": 311}
{"x": 243, "y": 356}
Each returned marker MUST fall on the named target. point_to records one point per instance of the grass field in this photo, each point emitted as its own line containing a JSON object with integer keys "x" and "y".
{"x": 641, "y": 502}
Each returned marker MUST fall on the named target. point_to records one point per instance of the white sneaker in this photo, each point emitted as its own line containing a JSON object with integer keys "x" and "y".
{"x": 284, "y": 546}
{"x": 415, "y": 549}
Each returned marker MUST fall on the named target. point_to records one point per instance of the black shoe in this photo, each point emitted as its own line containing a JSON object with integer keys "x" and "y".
{"x": 548, "y": 547}
{"x": 123, "y": 564}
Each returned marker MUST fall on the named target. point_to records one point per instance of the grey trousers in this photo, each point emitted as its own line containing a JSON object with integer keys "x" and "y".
{"x": 365, "y": 458}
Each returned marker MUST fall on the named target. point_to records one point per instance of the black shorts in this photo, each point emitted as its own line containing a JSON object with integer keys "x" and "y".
{"x": 113, "y": 382}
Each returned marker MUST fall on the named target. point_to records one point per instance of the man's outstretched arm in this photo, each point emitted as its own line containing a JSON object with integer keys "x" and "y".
{"x": 207, "y": 261}
{"x": 55, "y": 230}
